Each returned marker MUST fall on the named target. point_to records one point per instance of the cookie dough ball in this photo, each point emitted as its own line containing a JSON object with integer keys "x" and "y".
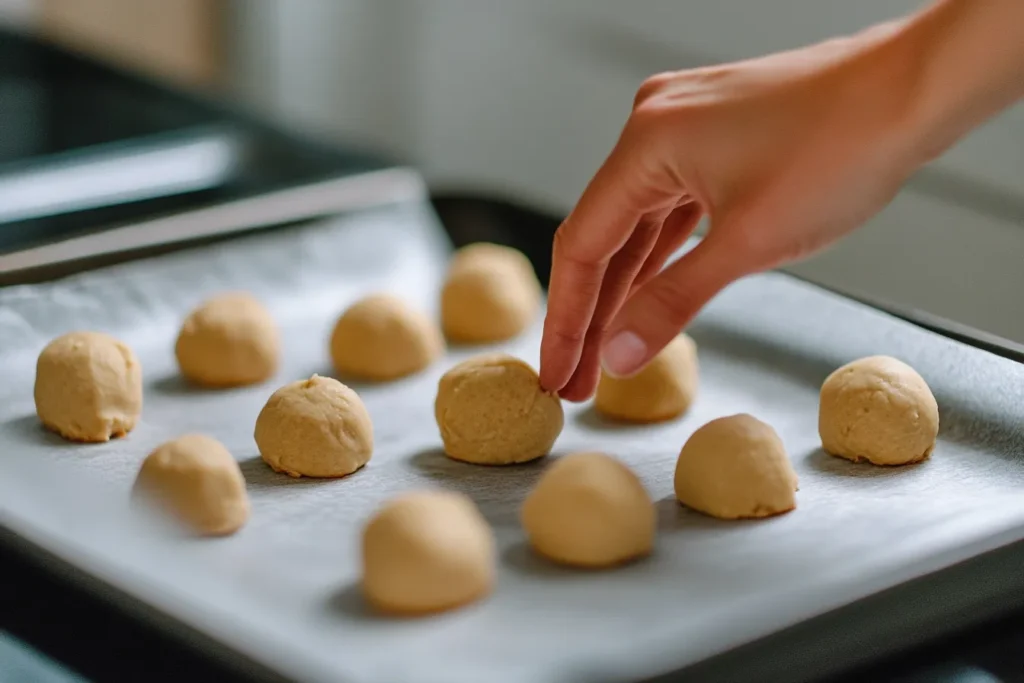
{"x": 195, "y": 479}
{"x": 664, "y": 389}
{"x": 427, "y": 552}
{"x": 880, "y": 410}
{"x": 491, "y": 294}
{"x": 491, "y": 411}
{"x": 735, "y": 468}
{"x": 381, "y": 338}
{"x": 88, "y": 387}
{"x": 315, "y": 427}
{"x": 229, "y": 341}
{"x": 589, "y": 510}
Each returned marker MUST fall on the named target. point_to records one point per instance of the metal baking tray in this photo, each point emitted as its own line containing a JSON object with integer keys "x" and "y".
{"x": 283, "y": 592}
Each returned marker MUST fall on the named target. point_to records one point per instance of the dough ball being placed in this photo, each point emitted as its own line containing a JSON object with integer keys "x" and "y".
{"x": 88, "y": 387}
{"x": 880, "y": 410}
{"x": 589, "y": 510}
{"x": 735, "y": 468}
{"x": 491, "y": 411}
{"x": 491, "y": 294}
{"x": 315, "y": 427}
{"x": 195, "y": 479}
{"x": 664, "y": 389}
{"x": 427, "y": 551}
{"x": 229, "y": 341}
{"x": 381, "y": 338}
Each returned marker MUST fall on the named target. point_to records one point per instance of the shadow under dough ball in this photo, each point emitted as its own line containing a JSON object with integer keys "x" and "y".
{"x": 381, "y": 338}
{"x": 88, "y": 387}
{"x": 427, "y": 551}
{"x": 230, "y": 340}
{"x": 490, "y": 294}
{"x": 589, "y": 510}
{"x": 878, "y": 409}
{"x": 736, "y": 467}
{"x": 491, "y": 410}
{"x": 196, "y": 481}
{"x": 315, "y": 427}
{"x": 663, "y": 390}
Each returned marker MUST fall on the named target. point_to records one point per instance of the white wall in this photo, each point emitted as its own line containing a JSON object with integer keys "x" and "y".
{"x": 340, "y": 67}
{"x": 526, "y": 98}
{"x": 17, "y": 12}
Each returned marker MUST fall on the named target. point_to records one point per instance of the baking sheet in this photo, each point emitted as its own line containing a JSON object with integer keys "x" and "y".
{"x": 284, "y": 591}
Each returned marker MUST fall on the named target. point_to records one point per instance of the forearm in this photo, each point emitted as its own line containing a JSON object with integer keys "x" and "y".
{"x": 968, "y": 65}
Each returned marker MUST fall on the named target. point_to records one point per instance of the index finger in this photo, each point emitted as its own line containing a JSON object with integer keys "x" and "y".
{"x": 595, "y": 230}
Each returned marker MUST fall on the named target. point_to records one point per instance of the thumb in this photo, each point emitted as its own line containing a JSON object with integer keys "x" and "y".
{"x": 660, "y": 309}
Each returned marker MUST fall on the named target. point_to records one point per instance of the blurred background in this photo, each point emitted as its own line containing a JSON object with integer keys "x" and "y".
{"x": 522, "y": 100}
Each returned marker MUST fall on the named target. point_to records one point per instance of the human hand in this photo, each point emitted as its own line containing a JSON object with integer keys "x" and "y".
{"x": 783, "y": 154}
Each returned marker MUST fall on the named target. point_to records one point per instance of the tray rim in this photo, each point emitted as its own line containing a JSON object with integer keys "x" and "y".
{"x": 215, "y": 650}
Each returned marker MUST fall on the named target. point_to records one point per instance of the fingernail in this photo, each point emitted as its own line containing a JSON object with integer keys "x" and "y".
{"x": 623, "y": 354}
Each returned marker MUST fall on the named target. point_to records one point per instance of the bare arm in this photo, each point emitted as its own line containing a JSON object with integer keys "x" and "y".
{"x": 971, "y": 54}
{"x": 784, "y": 154}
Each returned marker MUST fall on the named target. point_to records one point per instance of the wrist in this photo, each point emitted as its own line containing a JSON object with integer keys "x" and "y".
{"x": 951, "y": 67}
{"x": 876, "y": 98}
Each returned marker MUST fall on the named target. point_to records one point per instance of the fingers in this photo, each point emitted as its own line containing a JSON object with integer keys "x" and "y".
{"x": 678, "y": 227}
{"x": 656, "y": 312}
{"x": 618, "y": 279}
{"x": 594, "y": 232}
{"x": 572, "y": 296}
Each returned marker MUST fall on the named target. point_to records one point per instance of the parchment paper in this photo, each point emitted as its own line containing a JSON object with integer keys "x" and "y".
{"x": 284, "y": 590}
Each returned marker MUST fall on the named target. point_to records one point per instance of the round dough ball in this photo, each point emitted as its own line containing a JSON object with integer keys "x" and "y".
{"x": 735, "y": 468}
{"x": 491, "y": 294}
{"x": 491, "y": 411}
{"x": 315, "y": 427}
{"x": 589, "y": 510}
{"x": 229, "y": 341}
{"x": 195, "y": 479}
{"x": 425, "y": 552}
{"x": 880, "y": 410}
{"x": 88, "y": 387}
{"x": 664, "y": 389}
{"x": 381, "y": 338}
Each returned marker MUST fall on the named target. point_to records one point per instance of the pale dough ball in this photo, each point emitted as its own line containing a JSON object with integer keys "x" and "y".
{"x": 88, "y": 387}
{"x": 589, "y": 510}
{"x": 491, "y": 411}
{"x": 230, "y": 340}
{"x": 195, "y": 479}
{"x": 381, "y": 338}
{"x": 425, "y": 552}
{"x": 880, "y": 410}
{"x": 664, "y": 389}
{"x": 735, "y": 467}
{"x": 491, "y": 294}
{"x": 315, "y": 427}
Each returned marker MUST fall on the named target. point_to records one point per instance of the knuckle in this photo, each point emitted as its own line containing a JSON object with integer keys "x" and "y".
{"x": 562, "y": 246}
{"x": 650, "y": 121}
{"x": 648, "y": 113}
{"x": 568, "y": 248}
{"x": 647, "y": 230}
{"x": 651, "y": 86}
{"x": 569, "y": 336}
{"x": 599, "y": 328}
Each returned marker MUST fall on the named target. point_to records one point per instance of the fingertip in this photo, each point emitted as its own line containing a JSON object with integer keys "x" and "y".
{"x": 556, "y": 367}
{"x": 573, "y": 394}
{"x": 582, "y": 384}
{"x": 551, "y": 378}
